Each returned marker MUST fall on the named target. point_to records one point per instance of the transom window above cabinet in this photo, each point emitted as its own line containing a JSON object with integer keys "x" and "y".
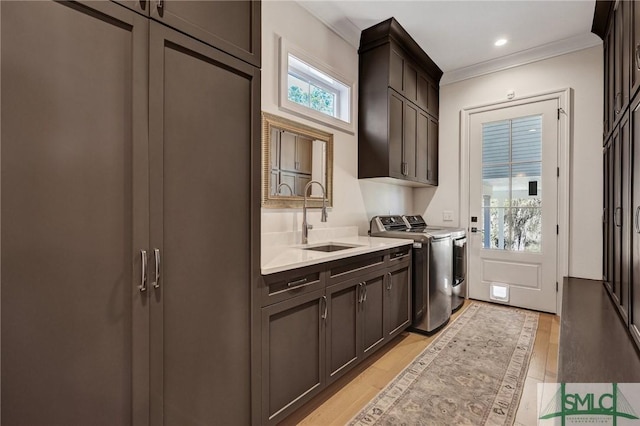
{"x": 313, "y": 89}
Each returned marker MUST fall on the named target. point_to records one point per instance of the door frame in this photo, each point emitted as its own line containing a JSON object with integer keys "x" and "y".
{"x": 564, "y": 98}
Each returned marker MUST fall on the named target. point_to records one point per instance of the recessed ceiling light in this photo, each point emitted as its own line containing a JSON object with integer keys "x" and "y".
{"x": 500, "y": 42}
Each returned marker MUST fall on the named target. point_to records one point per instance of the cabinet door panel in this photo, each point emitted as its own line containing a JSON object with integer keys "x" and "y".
{"x": 202, "y": 124}
{"x": 410, "y": 86}
{"x": 635, "y": 265}
{"x": 396, "y": 127}
{"x": 398, "y": 311}
{"x": 292, "y": 353}
{"x": 373, "y": 314}
{"x": 396, "y": 70}
{"x": 74, "y": 214}
{"x": 625, "y": 264}
{"x": 635, "y": 47}
{"x": 343, "y": 333}
{"x": 432, "y": 153}
{"x": 410, "y": 140}
{"x": 422, "y": 148}
{"x": 230, "y": 25}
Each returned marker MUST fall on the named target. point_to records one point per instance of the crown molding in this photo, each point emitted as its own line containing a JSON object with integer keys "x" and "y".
{"x": 325, "y": 12}
{"x": 550, "y": 50}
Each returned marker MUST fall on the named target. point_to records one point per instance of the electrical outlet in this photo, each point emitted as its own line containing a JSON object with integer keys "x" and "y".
{"x": 447, "y": 216}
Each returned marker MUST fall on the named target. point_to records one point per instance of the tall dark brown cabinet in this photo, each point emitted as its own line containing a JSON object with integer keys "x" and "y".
{"x": 398, "y": 113}
{"x": 124, "y": 144}
{"x": 619, "y": 26}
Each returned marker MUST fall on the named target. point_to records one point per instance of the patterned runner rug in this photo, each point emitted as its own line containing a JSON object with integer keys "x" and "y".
{"x": 471, "y": 374}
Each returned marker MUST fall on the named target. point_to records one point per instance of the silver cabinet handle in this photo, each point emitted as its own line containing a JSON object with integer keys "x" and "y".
{"x": 364, "y": 287}
{"x": 160, "y": 5}
{"x": 636, "y": 220}
{"x": 389, "y": 284}
{"x": 324, "y": 314}
{"x": 156, "y": 254}
{"x": 143, "y": 278}
{"x": 360, "y": 293}
{"x": 297, "y": 283}
{"x": 615, "y": 216}
{"x": 615, "y": 100}
{"x": 638, "y": 56}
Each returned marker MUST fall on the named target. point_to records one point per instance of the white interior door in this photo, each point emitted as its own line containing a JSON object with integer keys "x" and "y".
{"x": 513, "y": 204}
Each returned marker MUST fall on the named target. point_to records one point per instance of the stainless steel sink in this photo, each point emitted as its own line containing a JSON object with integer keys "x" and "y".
{"x": 330, "y": 247}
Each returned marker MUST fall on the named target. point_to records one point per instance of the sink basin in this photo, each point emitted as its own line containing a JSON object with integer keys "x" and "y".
{"x": 330, "y": 247}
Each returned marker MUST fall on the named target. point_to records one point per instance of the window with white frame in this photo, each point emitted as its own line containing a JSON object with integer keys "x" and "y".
{"x": 312, "y": 89}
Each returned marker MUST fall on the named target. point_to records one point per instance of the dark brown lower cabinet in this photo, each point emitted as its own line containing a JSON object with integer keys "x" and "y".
{"x": 315, "y": 336}
{"x": 397, "y": 300}
{"x": 293, "y": 352}
{"x": 123, "y": 300}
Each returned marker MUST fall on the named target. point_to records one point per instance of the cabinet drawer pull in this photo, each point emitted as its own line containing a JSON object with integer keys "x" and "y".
{"x": 156, "y": 254}
{"x": 297, "y": 282}
{"x": 360, "y": 292}
{"x": 143, "y": 278}
{"x": 638, "y": 56}
{"x": 636, "y": 220}
{"x": 160, "y": 6}
{"x": 324, "y": 314}
{"x": 398, "y": 254}
{"x": 364, "y": 287}
{"x": 389, "y": 283}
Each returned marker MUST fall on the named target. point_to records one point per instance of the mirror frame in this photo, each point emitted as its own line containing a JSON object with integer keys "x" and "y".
{"x": 270, "y": 121}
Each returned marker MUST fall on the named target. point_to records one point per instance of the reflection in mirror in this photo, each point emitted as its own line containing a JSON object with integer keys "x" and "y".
{"x": 293, "y": 155}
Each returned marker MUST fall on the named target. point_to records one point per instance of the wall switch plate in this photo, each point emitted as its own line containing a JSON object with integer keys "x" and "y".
{"x": 447, "y": 216}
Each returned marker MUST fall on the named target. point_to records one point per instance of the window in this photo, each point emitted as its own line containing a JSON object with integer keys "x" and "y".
{"x": 314, "y": 90}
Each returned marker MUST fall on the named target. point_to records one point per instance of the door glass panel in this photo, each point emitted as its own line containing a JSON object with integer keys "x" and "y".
{"x": 512, "y": 184}
{"x": 495, "y": 142}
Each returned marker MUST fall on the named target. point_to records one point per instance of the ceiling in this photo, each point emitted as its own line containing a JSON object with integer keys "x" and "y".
{"x": 459, "y": 35}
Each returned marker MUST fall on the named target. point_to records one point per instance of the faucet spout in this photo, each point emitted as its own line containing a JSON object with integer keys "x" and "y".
{"x": 323, "y": 217}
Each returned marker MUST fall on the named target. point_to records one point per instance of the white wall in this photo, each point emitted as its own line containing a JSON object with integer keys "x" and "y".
{"x": 581, "y": 71}
{"x": 355, "y": 201}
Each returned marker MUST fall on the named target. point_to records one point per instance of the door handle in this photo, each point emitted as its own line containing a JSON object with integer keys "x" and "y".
{"x": 143, "y": 278}
{"x": 156, "y": 254}
{"x": 615, "y": 216}
{"x": 160, "y": 6}
{"x": 636, "y": 220}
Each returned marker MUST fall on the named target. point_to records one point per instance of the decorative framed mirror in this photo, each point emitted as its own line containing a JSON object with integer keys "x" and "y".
{"x": 294, "y": 154}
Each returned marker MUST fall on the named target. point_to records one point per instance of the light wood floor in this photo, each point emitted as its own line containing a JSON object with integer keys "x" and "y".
{"x": 337, "y": 404}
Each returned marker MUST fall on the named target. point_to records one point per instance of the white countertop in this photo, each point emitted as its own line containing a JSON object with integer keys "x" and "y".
{"x": 282, "y": 258}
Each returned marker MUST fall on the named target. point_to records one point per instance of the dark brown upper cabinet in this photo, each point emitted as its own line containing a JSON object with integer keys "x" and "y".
{"x": 232, "y": 26}
{"x": 398, "y": 108}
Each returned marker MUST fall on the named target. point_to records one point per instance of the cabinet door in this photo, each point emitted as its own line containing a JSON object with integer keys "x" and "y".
{"x": 605, "y": 215}
{"x": 622, "y": 56}
{"x": 373, "y": 309}
{"x": 625, "y": 252}
{"x": 410, "y": 140}
{"x": 422, "y": 147}
{"x": 343, "y": 327}
{"x": 432, "y": 153}
{"x": 74, "y": 214}
{"x": 232, "y": 26}
{"x": 293, "y": 354}
{"x": 396, "y": 128}
{"x": 611, "y": 87}
{"x": 204, "y": 132}
{"x": 617, "y": 215}
{"x": 634, "y": 312}
{"x": 434, "y": 100}
{"x": 635, "y": 47}
{"x": 397, "y": 301}
{"x": 288, "y": 151}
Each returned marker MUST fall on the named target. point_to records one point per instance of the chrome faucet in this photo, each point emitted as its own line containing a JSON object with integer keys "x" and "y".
{"x": 323, "y": 217}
